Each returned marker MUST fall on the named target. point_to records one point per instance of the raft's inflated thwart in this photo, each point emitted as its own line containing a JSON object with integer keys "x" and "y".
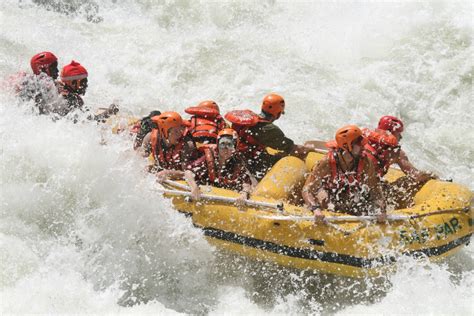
{"x": 349, "y": 249}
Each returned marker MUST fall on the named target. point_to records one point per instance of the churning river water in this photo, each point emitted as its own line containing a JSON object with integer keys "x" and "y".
{"x": 82, "y": 229}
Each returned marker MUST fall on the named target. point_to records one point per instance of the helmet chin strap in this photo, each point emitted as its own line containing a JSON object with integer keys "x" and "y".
{"x": 350, "y": 154}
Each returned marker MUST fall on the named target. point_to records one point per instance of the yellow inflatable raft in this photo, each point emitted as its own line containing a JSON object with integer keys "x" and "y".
{"x": 438, "y": 225}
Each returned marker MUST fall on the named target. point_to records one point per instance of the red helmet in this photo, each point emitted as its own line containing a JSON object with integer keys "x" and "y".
{"x": 73, "y": 71}
{"x": 345, "y": 136}
{"x": 73, "y": 75}
{"x": 274, "y": 105}
{"x": 391, "y": 124}
{"x": 42, "y": 62}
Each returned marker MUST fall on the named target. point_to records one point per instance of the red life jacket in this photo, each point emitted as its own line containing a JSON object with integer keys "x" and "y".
{"x": 379, "y": 149}
{"x": 167, "y": 157}
{"x": 227, "y": 180}
{"x": 242, "y": 121}
{"x": 341, "y": 180}
{"x": 202, "y": 128}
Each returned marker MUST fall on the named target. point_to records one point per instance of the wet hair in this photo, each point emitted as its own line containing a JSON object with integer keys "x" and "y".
{"x": 154, "y": 113}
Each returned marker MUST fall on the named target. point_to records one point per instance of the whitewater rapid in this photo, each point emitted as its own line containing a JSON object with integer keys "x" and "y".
{"x": 82, "y": 229}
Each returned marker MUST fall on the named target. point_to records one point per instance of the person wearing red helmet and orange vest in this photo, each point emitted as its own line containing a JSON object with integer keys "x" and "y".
{"x": 41, "y": 85}
{"x": 346, "y": 179}
{"x": 205, "y": 122}
{"x": 220, "y": 166}
{"x": 382, "y": 142}
{"x": 385, "y": 150}
{"x": 169, "y": 144}
{"x": 257, "y": 132}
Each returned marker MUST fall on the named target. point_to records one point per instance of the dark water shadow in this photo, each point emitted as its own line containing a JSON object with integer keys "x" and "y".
{"x": 268, "y": 284}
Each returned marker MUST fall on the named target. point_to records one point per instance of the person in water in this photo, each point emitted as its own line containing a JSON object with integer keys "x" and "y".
{"x": 145, "y": 149}
{"x": 385, "y": 150}
{"x": 41, "y": 86}
{"x": 73, "y": 86}
{"x": 345, "y": 180}
{"x": 257, "y": 132}
{"x": 169, "y": 143}
{"x": 143, "y": 127}
{"x": 45, "y": 62}
{"x": 205, "y": 122}
{"x": 220, "y": 166}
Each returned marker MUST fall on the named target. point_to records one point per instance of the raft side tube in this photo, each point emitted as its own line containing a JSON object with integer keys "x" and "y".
{"x": 288, "y": 173}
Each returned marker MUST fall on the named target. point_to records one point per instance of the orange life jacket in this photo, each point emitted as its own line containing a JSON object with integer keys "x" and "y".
{"x": 242, "y": 121}
{"x": 205, "y": 123}
{"x": 167, "y": 157}
{"x": 376, "y": 137}
{"x": 379, "y": 149}
{"x": 202, "y": 128}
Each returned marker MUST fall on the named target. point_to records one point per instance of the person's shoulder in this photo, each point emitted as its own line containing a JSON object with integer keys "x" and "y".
{"x": 367, "y": 161}
{"x": 401, "y": 154}
{"x": 147, "y": 137}
{"x": 269, "y": 127}
{"x": 266, "y": 124}
{"x": 369, "y": 164}
{"x": 62, "y": 89}
{"x": 23, "y": 77}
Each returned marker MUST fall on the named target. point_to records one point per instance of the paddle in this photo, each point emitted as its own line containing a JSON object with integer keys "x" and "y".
{"x": 104, "y": 113}
{"x": 216, "y": 198}
{"x": 318, "y": 145}
{"x": 363, "y": 218}
{"x": 280, "y": 210}
{"x": 177, "y": 185}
